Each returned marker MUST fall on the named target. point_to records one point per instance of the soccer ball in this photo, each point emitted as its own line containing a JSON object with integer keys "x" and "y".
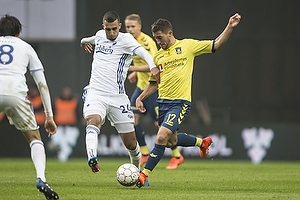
{"x": 128, "y": 174}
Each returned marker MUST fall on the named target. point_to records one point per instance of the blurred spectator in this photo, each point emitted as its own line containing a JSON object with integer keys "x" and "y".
{"x": 66, "y": 114}
{"x": 2, "y": 116}
{"x": 35, "y": 98}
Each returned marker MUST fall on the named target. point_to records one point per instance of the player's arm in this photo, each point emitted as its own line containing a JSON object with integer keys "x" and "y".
{"x": 150, "y": 89}
{"x": 142, "y": 52}
{"x": 87, "y": 44}
{"x": 40, "y": 81}
{"x": 223, "y": 37}
{"x": 142, "y": 68}
{"x": 132, "y": 77}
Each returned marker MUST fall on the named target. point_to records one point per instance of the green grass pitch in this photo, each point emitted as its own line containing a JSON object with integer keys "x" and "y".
{"x": 194, "y": 179}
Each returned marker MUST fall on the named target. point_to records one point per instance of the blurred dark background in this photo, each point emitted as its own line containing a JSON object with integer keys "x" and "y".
{"x": 253, "y": 78}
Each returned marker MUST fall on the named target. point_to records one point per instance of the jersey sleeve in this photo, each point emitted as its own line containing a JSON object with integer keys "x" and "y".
{"x": 131, "y": 44}
{"x": 88, "y": 40}
{"x": 40, "y": 81}
{"x": 153, "y": 47}
{"x": 199, "y": 47}
{"x": 146, "y": 56}
{"x": 34, "y": 62}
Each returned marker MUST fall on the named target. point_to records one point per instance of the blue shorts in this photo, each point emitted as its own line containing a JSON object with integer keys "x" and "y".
{"x": 149, "y": 103}
{"x": 172, "y": 113}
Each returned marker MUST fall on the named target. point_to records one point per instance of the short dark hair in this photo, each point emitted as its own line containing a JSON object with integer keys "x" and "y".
{"x": 134, "y": 17}
{"x": 10, "y": 26}
{"x": 162, "y": 25}
{"x": 111, "y": 16}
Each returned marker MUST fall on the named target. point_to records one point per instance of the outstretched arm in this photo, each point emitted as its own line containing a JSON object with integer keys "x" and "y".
{"x": 154, "y": 71}
{"x": 132, "y": 77}
{"x": 142, "y": 68}
{"x": 86, "y": 44}
{"x": 223, "y": 37}
{"x": 150, "y": 89}
{"x": 40, "y": 81}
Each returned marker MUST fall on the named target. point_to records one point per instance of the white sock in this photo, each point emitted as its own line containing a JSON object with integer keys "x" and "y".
{"x": 91, "y": 140}
{"x": 39, "y": 158}
{"x": 135, "y": 156}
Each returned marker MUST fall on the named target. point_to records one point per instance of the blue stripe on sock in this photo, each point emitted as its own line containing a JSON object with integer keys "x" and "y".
{"x": 92, "y": 128}
{"x": 36, "y": 142}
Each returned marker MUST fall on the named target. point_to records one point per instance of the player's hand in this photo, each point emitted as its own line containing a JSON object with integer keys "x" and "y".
{"x": 131, "y": 68}
{"x": 155, "y": 73}
{"x": 87, "y": 47}
{"x": 140, "y": 106}
{"x": 234, "y": 20}
{"x": 132, "y": 77}
{"x": 50, "y": 126}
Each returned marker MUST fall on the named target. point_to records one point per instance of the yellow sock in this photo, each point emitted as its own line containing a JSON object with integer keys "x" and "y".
{"x": 146, "y": 172}
{"x": 198, "y": 142}
{"x": 175, "y": 153}
{"x": 144, "y": 150}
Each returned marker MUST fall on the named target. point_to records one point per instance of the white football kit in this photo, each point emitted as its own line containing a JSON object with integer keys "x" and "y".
{"x": 106, "y": 94}
{"x": 15, "y": 56}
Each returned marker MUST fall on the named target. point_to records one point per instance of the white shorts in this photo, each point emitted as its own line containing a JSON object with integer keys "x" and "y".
{"x": 19, "y": 112}
{"x": 115, "y": 107}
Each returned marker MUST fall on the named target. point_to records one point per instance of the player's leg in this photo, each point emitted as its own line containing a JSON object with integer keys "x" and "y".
{"x": 19, "y": 113}
{"x": 94, "y": 112}
{"x": 179, "y": 113}
{"x": 156, "y": 153}
{"x": 92, "y": 131}
{"x": 152, "y": 108}
{"x": 127, "y": 134}
{"x": 166, "y": 116}
{"x": 140, "y": 136}
{"x": 39, "y": 160}
{"x": 37, "y": 152}
{"x": 171, "y": 115}
{"x": 121, "y": 117}
{"x": 176, "y": 159}
{"x": 139, "y": 132}
{"x": 186, "y": 140}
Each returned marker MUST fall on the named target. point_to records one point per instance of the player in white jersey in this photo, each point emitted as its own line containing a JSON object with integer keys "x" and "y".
{"x": 15, "y": 57}
{"x": 106, "y": 95}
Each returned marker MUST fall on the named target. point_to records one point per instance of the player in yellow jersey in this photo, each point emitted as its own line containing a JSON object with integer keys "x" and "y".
{"x": 141, "y": 74}
{"x": 175, "y": 61}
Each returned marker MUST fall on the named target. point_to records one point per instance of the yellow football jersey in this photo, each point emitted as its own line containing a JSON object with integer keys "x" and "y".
{"x": 176, "y": 67}
{"x": 148, "y": 43}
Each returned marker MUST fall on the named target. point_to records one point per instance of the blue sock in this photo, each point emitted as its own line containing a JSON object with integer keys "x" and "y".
{"x": 185, "y": 140}
{"x": 139, "y": 133}
{"x": 155, "y": 156}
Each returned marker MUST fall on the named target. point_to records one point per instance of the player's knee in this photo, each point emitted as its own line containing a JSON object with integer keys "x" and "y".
{"x": 32, "y": 135}
{"x": 171, "y": 144}
{"x": 93, "y": 120}
{"x": 160, "y": 139}
{"x": 130, "y": 145}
